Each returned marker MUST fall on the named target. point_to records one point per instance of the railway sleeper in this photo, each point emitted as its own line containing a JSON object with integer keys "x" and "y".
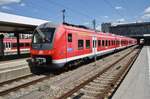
{"x": 93, "y": 88}
{"x": 89, "y": 92}
{"x": 97, "y": 84}
{"x": 105, "y": 81}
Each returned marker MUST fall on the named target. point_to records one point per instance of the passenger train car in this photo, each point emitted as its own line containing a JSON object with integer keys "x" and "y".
{"x": 10, "y": 45}
{"x": 56, "y": 45}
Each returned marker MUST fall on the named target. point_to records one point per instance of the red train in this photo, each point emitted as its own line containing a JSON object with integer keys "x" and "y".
{"x": 10, "y": 45}
{"x": 60, "y": 44}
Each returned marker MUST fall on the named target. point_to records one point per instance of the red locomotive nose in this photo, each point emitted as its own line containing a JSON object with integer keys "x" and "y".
{"x": 42, "y": 52}
{"x": 41, "y": 56}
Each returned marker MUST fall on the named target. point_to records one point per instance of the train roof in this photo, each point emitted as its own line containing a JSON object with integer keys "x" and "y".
{"x": 80, "y": 28}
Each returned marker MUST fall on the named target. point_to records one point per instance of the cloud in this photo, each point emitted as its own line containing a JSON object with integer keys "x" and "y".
{"x": 146, "y": 14}
{"x": 2, "y": 2}
{"x": 98, "y": 27}
{"x": 106, "y": 17}
{"x": 118, "y": 8}
{"x": 22, "y": 4}
{"x": 121, "y": 20}
{"x": 147, "y": 10}
{"x": 6, "y": 8}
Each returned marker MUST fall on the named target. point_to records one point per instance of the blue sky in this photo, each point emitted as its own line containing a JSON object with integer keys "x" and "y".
{"x": 80, "y": 11}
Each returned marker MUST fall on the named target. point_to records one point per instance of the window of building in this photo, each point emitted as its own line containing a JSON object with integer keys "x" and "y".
{"x": 80, "y": 44}
{"x": 87, "y": 43}
{"x": 69, "y": 37}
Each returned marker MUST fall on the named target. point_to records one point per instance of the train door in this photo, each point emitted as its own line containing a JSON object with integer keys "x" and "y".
{"x": 120, "y": 43}
{"x": 94, "y": 49}
{"x": 9, "y": 46}
{"x": 70, "y": 47}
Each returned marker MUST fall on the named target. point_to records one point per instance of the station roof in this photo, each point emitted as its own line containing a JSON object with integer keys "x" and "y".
{"x": 19, "y": 24}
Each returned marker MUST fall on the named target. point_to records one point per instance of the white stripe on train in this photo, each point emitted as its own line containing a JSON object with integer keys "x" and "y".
{"x": 64, "y": 60}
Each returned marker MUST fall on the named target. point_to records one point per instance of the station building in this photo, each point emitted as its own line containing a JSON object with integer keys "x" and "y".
{"x": 135, "y": 30}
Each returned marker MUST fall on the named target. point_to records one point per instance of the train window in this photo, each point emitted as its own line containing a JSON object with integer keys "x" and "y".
{"x": 27, "y": 44}
{"x": 112, "y": 42}
{"x": 69, "y": 37}
{"x": 93, "y": 44}
{"x": 106, "y": 43}
{"x": 109, "y": 43}
{"x": 117, "y": 42}
{"x": 87, "y": 43}
{"x": 14, "y": 45}
{"x": 6, "y": 45}
{"x": 103, "y": 43}
{"x": 80, "y": 44}
{"x": 99, "y": 42}
{"x": 21, "y": 44}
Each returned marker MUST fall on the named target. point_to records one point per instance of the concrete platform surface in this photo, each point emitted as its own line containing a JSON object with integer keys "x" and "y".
{"x": 13, "y": 69}
{"x": 12, "y": 64}
{"x": 136, "y": 85}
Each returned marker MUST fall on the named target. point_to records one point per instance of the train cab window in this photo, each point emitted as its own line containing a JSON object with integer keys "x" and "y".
{"x": 80, "y": 44}
{"x": 87, "y": 43}
{"x": 99, "y": 42}
{"x": 69, "y": 37}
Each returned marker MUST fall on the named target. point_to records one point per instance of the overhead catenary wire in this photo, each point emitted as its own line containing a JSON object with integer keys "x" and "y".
{"x": 71, "y": 9}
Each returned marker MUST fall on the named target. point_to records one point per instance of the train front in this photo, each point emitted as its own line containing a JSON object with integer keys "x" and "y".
{"x": 42, "y": 44}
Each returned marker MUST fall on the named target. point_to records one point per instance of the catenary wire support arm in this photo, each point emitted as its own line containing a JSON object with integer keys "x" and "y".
{"x": 63, "y": 15}
{"x": 94, "y": 27}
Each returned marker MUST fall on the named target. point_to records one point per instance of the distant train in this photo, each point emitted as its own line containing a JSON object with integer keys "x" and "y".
{"x": 10, "y": 45}
{"x": 57, "y": 45}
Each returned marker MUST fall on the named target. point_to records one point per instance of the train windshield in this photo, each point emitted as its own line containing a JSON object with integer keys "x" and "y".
{"x": 43, "y": 35}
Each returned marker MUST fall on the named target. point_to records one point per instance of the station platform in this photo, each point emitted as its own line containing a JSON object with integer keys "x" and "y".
{"x": 14, "y": 57}
{"x": 13, "y": 69}
{"x": 136, "y": 84}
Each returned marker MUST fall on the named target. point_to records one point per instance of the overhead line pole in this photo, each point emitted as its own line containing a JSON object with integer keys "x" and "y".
{"x": 63, "y": 15}
{"x": 94, "y": 44}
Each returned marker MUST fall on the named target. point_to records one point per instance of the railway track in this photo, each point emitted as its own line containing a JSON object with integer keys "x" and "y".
{"x": 103, "y": 84}
{"x": 23, "y": 82}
